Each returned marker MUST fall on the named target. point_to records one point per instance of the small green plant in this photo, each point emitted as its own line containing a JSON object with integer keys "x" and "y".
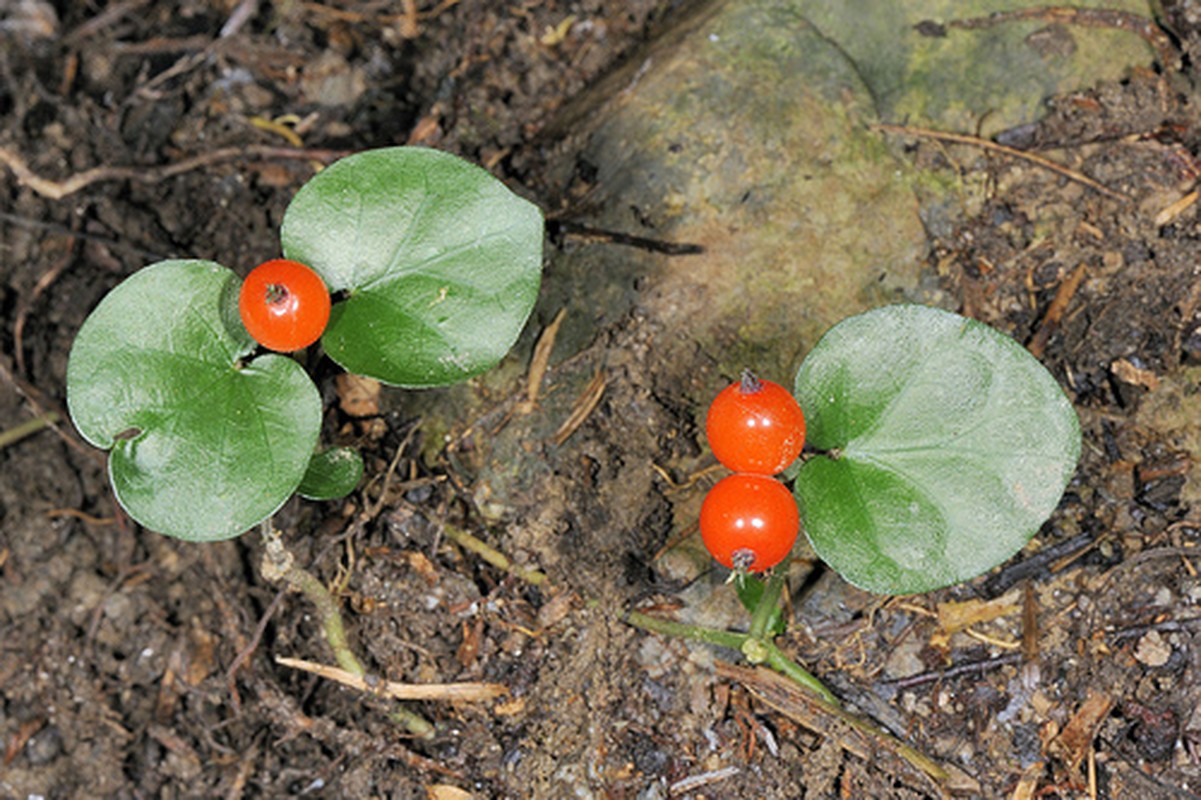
{"x": 434, "y": 266}
{"x": 937, "y": 447}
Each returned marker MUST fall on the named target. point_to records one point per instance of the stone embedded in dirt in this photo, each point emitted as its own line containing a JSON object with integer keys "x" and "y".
{"x": 29, "y": 19}
{"x": 1152, "y": 650}
{"x": 332, "y": 81}
{"x": 745, "y": 135}
{"x": 905, "y": 660}
{"x": 44, "y": 746}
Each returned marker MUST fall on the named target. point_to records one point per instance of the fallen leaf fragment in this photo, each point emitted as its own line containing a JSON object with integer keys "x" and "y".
{"x": 1028, "y": 783}
{"x": 357, "y": 396}
{"x": 539, "y": 363}
{"x": 588, "y": 400}
{"x": 1125, "y": 371}
{"x": 509, "y": 708}
{"x": 1174, "y": 210}
{"x": 557, "y": 609}
{"x": 1076, "y": 738}
{"x": 954, "y": 617}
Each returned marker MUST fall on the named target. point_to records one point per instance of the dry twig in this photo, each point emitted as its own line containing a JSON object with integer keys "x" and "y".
{"x": 1110, "y": 19}
{"x": 1059, "y": 304}
{"x": 454, "y": 692}
{"x": 986, "y": 144}
{"x": 540, "y": 362}
{"x": 588, "y": 400}
{"x": 57, "y": 190}
{"x": 853, "y": 734}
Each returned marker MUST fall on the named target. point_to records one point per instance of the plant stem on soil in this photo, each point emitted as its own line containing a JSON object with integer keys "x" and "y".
{"x": 19, "y": 432}
{"x": 492, "y": 555}
{"x": 760, "y": 650}
{"x": 766, "y": 607}
{"x": 279, "y": 564}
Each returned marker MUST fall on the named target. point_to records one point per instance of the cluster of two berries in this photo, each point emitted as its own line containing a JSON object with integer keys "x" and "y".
{"x": 749, "y": 520}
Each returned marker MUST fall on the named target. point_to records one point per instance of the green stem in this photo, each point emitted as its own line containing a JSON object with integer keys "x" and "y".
{"x": 766, "y": 606}
{"x": 910, "y": 754}
{"x": 789, "y": 668}
{"x": 28, "y": 428}
{"x": 307, "y": 584}
{"x": 696, "y": 633}
{"x": 492, "y": 555}
{"x": 736, "y": 641}
{"x": 279, "y": 564}
{"x": 775, "y": 658}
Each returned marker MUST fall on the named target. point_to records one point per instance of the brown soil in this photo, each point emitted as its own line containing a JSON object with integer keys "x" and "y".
{"x": 137, "y": 666}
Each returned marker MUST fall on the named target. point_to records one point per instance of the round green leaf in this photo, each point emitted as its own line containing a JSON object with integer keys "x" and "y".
{"x": 439, "y": 261}
{"x": 203, "y": 446}
{"x": 945, "y": 445}
{"x": 332, "y": 473}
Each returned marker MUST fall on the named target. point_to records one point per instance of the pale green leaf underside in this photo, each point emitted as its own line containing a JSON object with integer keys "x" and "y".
{"x": 203, "y": 447}
{"x": 439, "y": 261}
{"x": 953, "y": 445}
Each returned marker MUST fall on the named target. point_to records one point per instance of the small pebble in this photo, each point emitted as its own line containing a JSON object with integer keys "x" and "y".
{"x": 1152, "y": 650}
{"x": 905, "y": 660}
{"x": 45, "y": 746}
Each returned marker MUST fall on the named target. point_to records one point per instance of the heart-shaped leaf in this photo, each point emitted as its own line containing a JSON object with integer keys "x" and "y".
{"x": 203, "y": 446}
{"x": 945, "y": 445}
{"x": 439, "y": 261}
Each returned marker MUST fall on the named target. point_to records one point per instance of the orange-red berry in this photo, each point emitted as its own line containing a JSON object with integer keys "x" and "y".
{"x": 755, "y": 426}
{"x": 284, "y": 305}
{"x": 749, "y": 522}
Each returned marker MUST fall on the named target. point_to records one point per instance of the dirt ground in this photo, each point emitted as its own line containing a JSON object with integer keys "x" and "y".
{"x": 134, "y": 666}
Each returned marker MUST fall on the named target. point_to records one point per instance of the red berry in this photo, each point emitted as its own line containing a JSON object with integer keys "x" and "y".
{"x": 749, "y": 522}
{"x": 755, "y": 426}
{"x": 284, "y": 305}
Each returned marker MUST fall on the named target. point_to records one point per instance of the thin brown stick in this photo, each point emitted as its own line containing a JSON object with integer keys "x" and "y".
{"x": 455, "y": 692}
{"x": 75, "y": 513}
{"x": 246, "y": 652}
{"x": 985, "y": 144}
{"x": 854, "y": 734}
{"x": 26, "y": 303}
{"x": 1059, "y": 304}
{"x": 539, "y": 363}
{"x": 111, "y": 15}
{"x": 947, "y": 673}
{"x": 584, "y": 405}
{"x": 1109, "y": 19}
{"x": 57, "y": 190}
